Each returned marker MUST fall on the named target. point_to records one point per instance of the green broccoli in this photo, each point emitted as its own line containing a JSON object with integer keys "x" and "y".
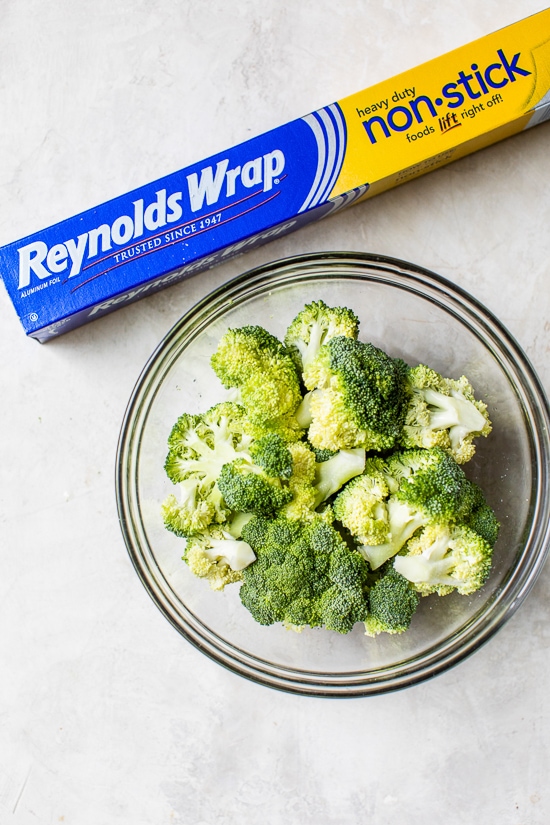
{"x": 358, "y": 397}
{"x": 258, "y": 365}
{"x": 314, "y": 325}
{"x": 322, "y": 455}
{"x": 303, "y": 501}
{"x": 431, "y": 479}
{"x": 392, "y": 604}
{"x": 312, "y": 483}
{"x": 361, "y": 505}
{"x": 328, "y": 483}
{"x": 219, "y": 555}
{"x": 443, "y": 412}
{"x": 423, "y": 486}
{"x": 443, "y": 558}
{"x": 482, "y": 519}
{"x": 271, "y": 453}
{"x": 199, "y": 445}
{"x": 304, "y": 575}
{"x": 245, "y": 487}
{"x": 258, "y": 484}
{"x": 189, "y": 512}
{"x": 332, "y": 474}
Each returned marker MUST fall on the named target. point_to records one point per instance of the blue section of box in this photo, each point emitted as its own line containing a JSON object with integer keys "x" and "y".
{"x": 100, "y": 259}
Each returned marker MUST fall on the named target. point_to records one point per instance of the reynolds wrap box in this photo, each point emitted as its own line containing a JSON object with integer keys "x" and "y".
{"x": 106, "y": 257}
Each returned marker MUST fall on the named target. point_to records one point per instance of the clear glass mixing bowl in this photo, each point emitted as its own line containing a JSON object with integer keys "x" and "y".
{"x": 411, "y": 313}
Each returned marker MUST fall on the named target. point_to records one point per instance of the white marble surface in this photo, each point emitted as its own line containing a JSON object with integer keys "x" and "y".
{"x": 107, "y": 716}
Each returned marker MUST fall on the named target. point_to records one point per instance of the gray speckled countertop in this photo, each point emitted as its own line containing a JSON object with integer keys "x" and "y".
{"x": 107, "y": 716}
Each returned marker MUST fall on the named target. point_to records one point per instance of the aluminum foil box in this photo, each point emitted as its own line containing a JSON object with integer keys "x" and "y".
{"x": 128, "y": 247}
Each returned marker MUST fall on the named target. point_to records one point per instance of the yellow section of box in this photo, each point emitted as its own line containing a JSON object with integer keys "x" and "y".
{"x": 449, "y": 107}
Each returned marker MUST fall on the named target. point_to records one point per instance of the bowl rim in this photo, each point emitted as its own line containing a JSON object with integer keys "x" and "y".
{"x": 438, "y": 658}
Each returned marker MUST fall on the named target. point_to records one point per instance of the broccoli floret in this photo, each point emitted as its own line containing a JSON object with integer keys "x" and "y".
{"x": 431, "y": 479}
{"x": 358, "y": 396}
{"x": 301, "y": 483}
{"x": 443, "y": 558}
{"x": 272, "y": 454}
{"x": 256, "y": 363}
{"x": 190, "y": 513}
{"x": 323, "y": 455}
{"x": 403, "y": 522}
{"x": 219, "y": 555}
{"x": 304, "y": 575}
{"x": 314, "y": 325}
{"x": 199, "y": 446}
{"x": 392, "y": 604}
{"x": 311, "y": 483}
{"x": 245, "y": 488}
{"x": 204, "y": 442}
{"x": 361, "y": 505}
{"x": 421, "y": 487}
{"x": 443, "y": 412}
{"x": 483, "y": 519}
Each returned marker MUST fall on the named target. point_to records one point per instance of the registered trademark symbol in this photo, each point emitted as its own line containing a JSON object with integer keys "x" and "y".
{"x": 277, "y": 180}
{"x": 33, "y": 316}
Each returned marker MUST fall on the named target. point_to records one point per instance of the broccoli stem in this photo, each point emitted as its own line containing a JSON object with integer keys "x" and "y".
{"x": 303, "y": 413}
{"x": 234, "y": 552}
{"x": 403, "y": 523}
{"x": 332, "y": 474}
{"x": 455, "y": 413}
{"x": 431, "y": 566}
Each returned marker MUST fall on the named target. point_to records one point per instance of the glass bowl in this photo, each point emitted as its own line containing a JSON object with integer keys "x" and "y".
{"x": 411, "y": 313}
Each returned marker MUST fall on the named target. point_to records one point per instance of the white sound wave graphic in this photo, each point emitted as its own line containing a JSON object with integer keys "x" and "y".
{"x": 329, "y": 129}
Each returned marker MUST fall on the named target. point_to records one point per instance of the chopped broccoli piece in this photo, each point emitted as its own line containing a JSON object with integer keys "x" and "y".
{"x": 431, "y": 480}
{"x": 482, "y": 518}
{"x": 358, "y": 398}
{"x": 361, "y": 505}
{"x": 272, "y": 454}
{"x": 443, "y": 558}
{"x": 392, "y": 604}
{"x": 332, "y": 474}
{"x": 403, "y": 522}
{"x": 314, "y": 325}
{"x": 323, "y": 455}
{"x": 199, "y": 446}
{"x": 312, "y": 483}
{"x": 191, "y": 513}
{"x": 443, "y": 412}
{"x": 328, "y": 483}
{"x": 246, "y": 488}
{"x": 301, "y": 483}
{"x": 258, "y": 365}
{"x": 219, "y": 555}
{"x": 217, "y": 574}
{"x": 405, "y": 492}
{"x": 304, "y": 575}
